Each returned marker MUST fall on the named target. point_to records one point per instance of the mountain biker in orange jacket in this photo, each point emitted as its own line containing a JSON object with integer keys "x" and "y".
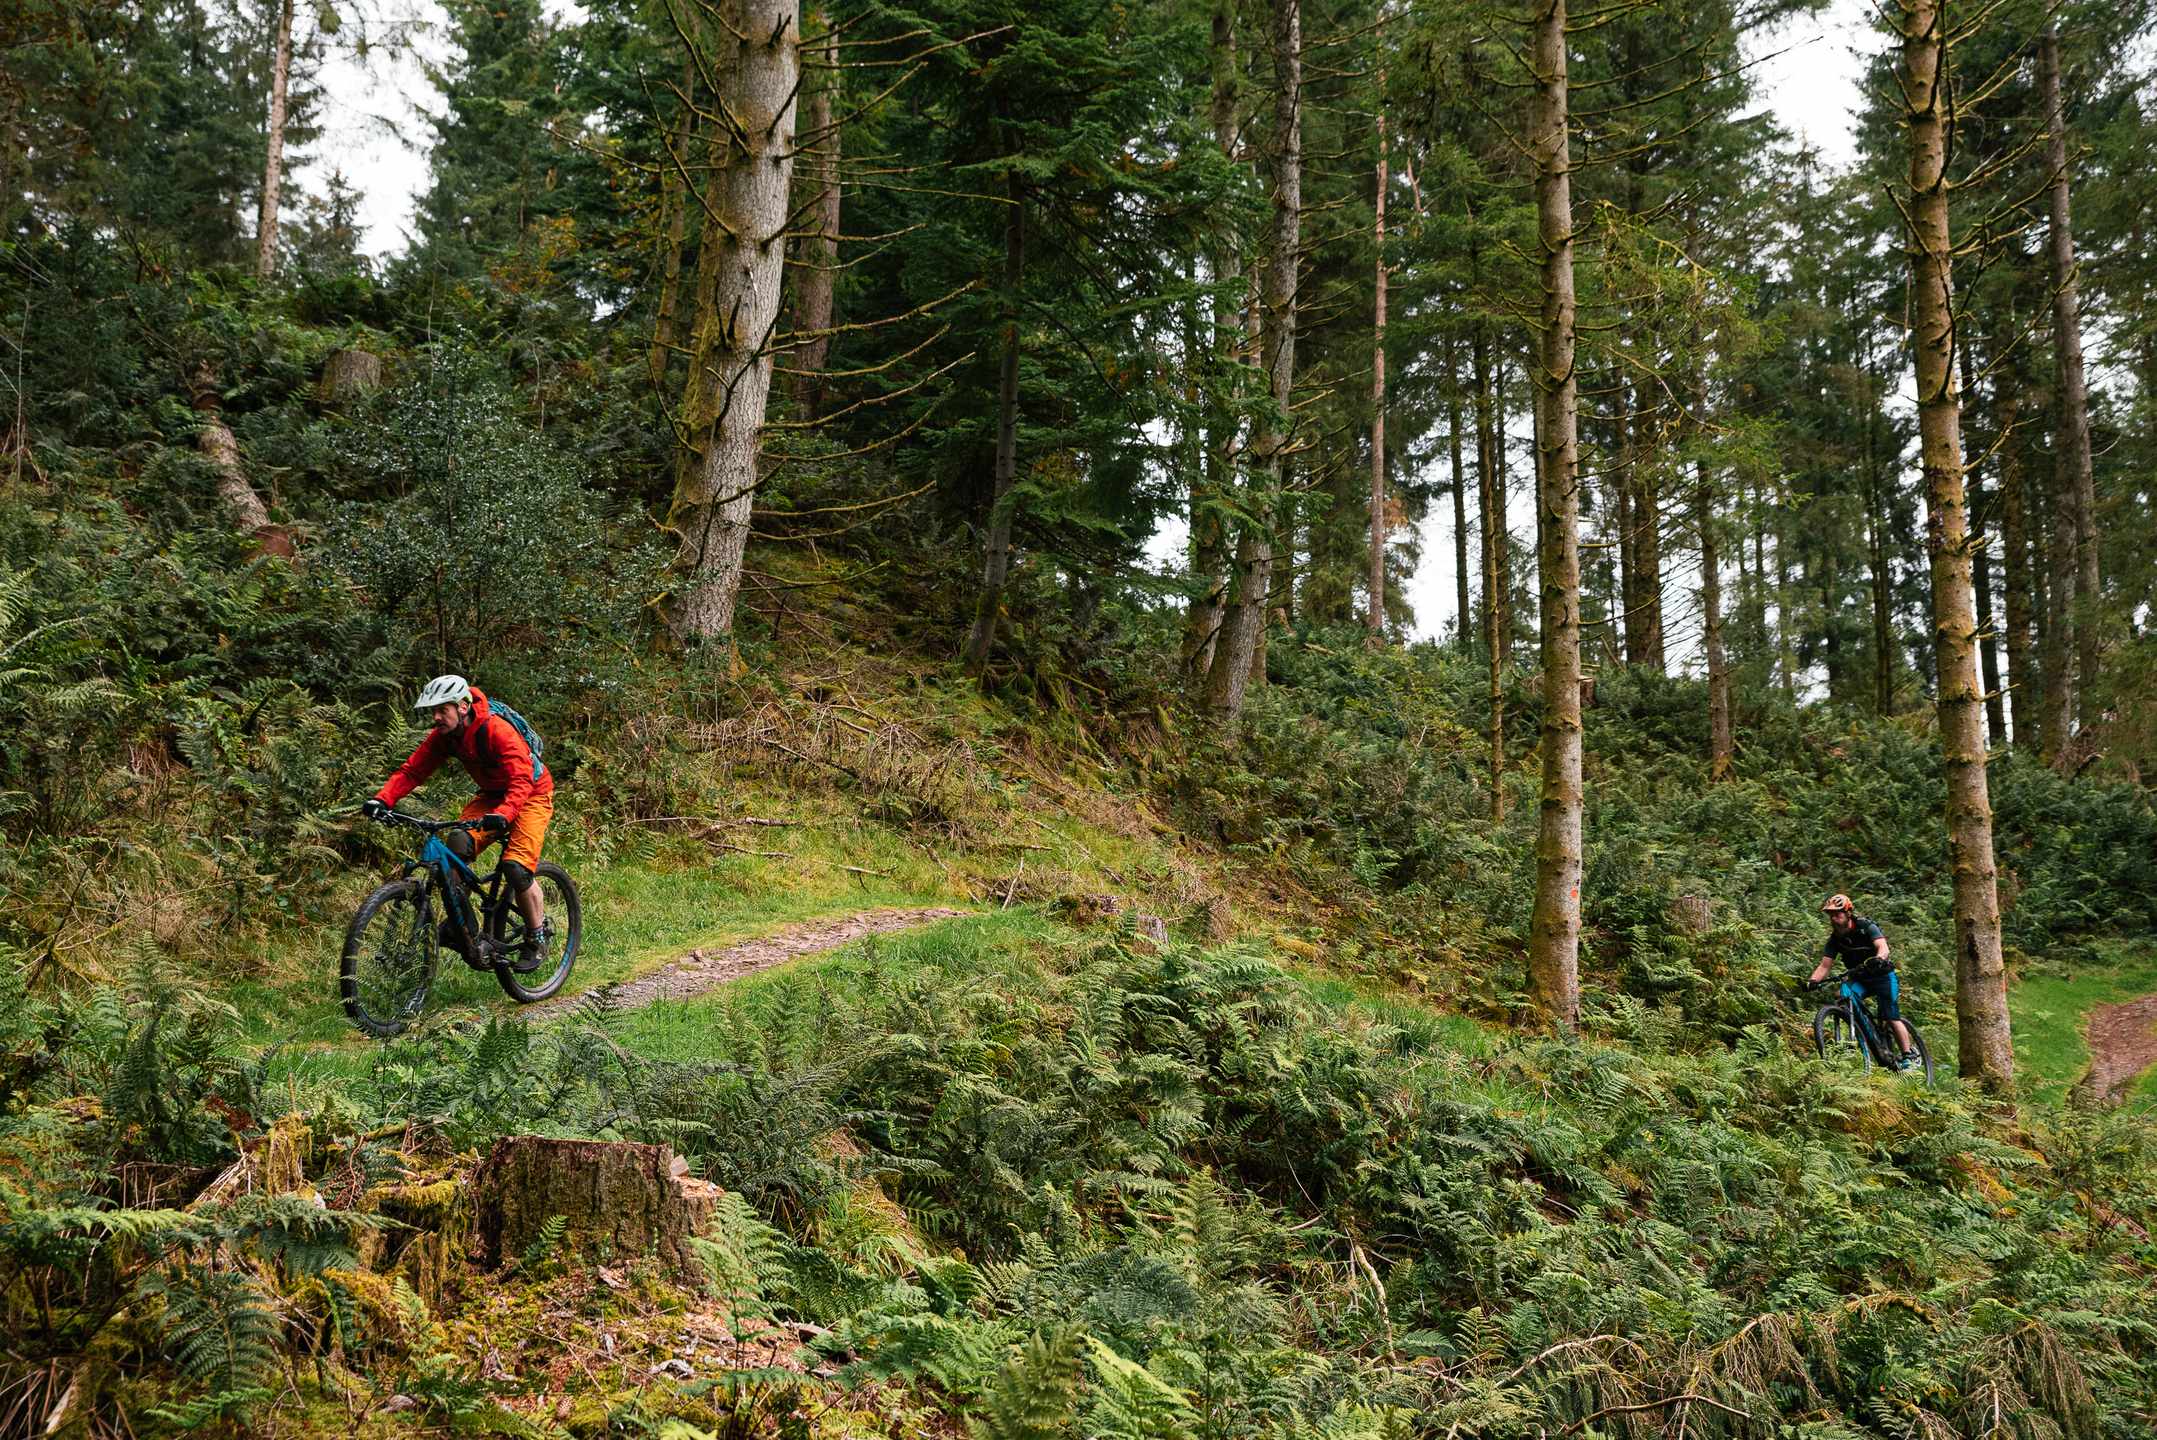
{"x": 1861, "y": 945}
{"x": 516, "y": 793}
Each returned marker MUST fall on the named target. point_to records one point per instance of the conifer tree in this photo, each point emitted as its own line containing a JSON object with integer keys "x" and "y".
{"x": 750, "y": 54}
{"x": 1554, "y": 941}
{"x": 1250, "y": 593}
{"x": 1925, "y": 82}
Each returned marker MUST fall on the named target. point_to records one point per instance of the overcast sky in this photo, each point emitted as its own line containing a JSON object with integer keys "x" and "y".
{"x": 374, "y": 130}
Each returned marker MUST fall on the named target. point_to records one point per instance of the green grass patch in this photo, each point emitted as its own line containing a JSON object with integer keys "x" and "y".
{"x": 2050, "y": 1009}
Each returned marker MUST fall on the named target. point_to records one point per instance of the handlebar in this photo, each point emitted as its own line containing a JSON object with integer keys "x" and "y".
{"x": 428, "y": 827}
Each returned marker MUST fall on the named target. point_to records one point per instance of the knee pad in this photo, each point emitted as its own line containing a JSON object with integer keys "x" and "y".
{"x": 515, "y": 876}
{"x": 459, "y": 843}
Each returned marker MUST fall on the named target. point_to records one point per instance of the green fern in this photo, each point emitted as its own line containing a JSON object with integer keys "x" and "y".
{"x": 217, "y": 1327}
{"x": 543, "y": 1246}
{"x": 209, "y": 1409}
{"x": 1035, "y": 1396}
{"x": 1130, "y": 1402}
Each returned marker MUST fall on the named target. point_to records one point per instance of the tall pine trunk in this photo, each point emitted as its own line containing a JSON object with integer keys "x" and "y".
{"x": 1883, "y": 645}
{"x": 2055, "y": 625}
{"x": 273, "y": 163}
{"x": 1721, "y": 743}
{"x": 1209, "y": 537}
{"x": 1374, "y": 618}
{"x": 817, "y": 269}
{"x": 1554, "y": 937}
{"x": 1988, "y": 650}
{"x": 2014, "y": 541}
{"x": 996, "y": 546}
{"x": 2078, "y": 487}
{"x": 755, "y": 60}
{"x": 1644, "y": 603}
{"x": 1721, "y": 748}
{"x": 1491, "y": 511}
{"x": 1987, "y": 1055}
{"x": 1464, "y": 611}
{"x": 1277, "y": 359}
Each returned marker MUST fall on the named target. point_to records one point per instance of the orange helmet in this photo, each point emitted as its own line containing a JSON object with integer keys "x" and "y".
{"x": 1837, "y": 904}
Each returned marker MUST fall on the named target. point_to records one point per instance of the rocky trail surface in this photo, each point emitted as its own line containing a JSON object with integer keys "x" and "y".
{"x": 703, "y": 970}
{"x": 2123, "y": 1044}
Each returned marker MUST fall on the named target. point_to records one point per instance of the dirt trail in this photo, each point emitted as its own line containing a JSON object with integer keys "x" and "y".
{"x": 2123, "y": 1044}
{"x": 703, "y": 970}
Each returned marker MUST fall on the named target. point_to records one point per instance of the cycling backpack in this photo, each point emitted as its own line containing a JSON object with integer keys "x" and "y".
{"x": 524, "y": 728}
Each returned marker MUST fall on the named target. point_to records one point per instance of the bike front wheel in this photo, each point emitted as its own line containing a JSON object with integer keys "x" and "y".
{"x": 1836, "y": 1036}
{"x": 532, "y": 967}
{"x": 389, "y": 959}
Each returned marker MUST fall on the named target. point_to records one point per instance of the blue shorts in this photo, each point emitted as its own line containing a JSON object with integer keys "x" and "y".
{"x": 1884, "y": 991}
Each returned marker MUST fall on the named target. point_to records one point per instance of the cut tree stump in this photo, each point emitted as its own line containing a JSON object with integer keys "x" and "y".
{"x": 618, "y": 1200}
{"x": 350, "y": 373}
{"x": 1689, "y": 915}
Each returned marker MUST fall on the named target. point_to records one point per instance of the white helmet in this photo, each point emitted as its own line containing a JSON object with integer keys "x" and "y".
{"x": 441, "y": 690}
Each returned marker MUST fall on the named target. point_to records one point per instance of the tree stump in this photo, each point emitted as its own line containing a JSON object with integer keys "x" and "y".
{"x": 1689, "y": 915}
{"x": 350, "y": 373}
{"x": 618, "y": 1200}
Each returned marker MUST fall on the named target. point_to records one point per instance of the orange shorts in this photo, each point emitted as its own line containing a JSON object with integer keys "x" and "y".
{"x": 526, "y": 833}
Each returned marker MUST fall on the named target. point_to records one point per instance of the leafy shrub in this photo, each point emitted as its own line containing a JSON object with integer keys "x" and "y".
{"x": 493, "y": 555}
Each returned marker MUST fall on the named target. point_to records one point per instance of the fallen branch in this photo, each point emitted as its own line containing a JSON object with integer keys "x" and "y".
{"x": 716, "y": 824}
{"x": 1667, "y": 1401}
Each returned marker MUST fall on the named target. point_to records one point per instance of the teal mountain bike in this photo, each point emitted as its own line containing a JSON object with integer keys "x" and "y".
{"x": 1842, "y": 1030}
{"x": 393, "y": 947}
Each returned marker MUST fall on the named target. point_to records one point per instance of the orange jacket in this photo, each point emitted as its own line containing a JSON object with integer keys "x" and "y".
{"x": 493, "y": 754}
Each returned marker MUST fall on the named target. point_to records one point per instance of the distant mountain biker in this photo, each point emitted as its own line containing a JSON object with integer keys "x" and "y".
{"x": 1862, "y": 947}
{"x": 516, "y": 792}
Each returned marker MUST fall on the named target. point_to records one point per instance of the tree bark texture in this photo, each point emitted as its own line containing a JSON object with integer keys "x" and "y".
{"x": 1277, "y": 359}
{"x": 2055, "y": 627}
{"x": 243, "y": 507}
{"x": 1554, "y": 937}
{"x": 996, "y": 548}
{"x": 1209, "y": 533}
{"x": 1640, "y": 517}
{"x": 1883, "y": 639}
{"x": 273, "y": 162}
{"x": 2022, "y": 684}
{"x": 617, "y": 1200}
{"x": 2078, "y": 485}
{"x": 350, "y": 374}
{"x": 752, "y": 61}
{"x": 1375, "y": 613}
{"x": 817, "y": 267}
{"x": 1491, "y": 510}
{"x": 1988, "y": 648}
{"x": 1463, "y": 624}
{"x": 1980, "y": 973}
{"x": 1721, "y": 747}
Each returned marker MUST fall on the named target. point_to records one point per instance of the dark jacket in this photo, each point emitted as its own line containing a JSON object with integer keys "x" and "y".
{"x": 493, "y": 754}
{"x": 1855, "y": 949}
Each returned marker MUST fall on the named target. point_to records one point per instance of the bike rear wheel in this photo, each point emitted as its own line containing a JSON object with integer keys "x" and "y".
{"x": 1836, "y": 1036}
{"x": 389, "y": 959}
{"x": 551, "y": 954}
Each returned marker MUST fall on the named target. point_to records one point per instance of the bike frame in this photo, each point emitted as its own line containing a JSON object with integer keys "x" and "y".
{"x": 1853, "y": 998}
{"x": 448, "y": 867}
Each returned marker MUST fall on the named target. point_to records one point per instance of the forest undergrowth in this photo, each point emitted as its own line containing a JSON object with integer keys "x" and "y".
{"x": 1033, "y": 1179}
{"x": 1304, "y": 1167}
